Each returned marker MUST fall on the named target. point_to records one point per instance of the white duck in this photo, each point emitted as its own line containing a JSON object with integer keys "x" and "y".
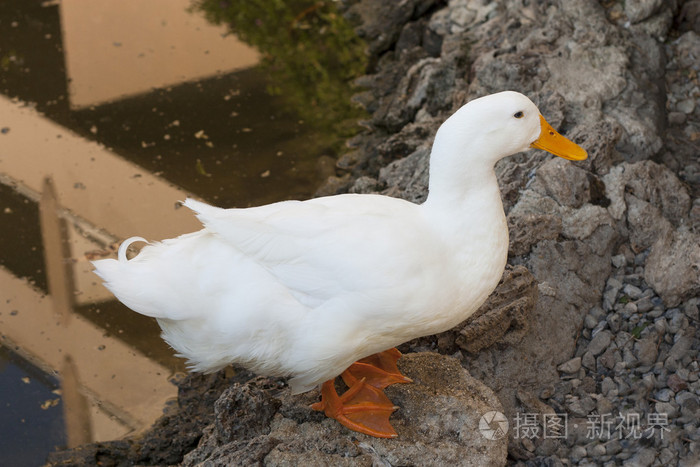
{"x": 304, "y": 289}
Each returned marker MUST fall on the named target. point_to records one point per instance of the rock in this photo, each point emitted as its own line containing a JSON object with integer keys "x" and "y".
{"x": 581, "y": 407}
{"x": 528, "y": 228}
{"x": 643, "y": 458}
{"x": 244, "y": 410}
{"x": 438, "y": 420}
{"x": 581, "y": 223}
{"x": 639, "y": 10}
{"x": 646, "y": 349}
{"x": 649, "y": 182}
{"x": 380, "y": 24}
{"x": 675, "y": 383}
{"x": 608, "y": 386}
{"x": 572, "y": 366}
{"x": 588, "y": 360}
{"x": 504, "y": 315}
{"x": 334, "y": 185}
{"x": 409, "y": 176}
{"x": 663, "y": 395}
{"x": 599, "y": 342}
{"x": 666, "y": 408}
{"x": 565, "y": 182}
{"x": 673, "y": 266}
{"x": 689, "y": 403}
{"x": 682, "y": 345}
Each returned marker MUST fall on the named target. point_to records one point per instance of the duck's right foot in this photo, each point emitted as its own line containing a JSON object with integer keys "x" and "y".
{"x": 362, "y": 408}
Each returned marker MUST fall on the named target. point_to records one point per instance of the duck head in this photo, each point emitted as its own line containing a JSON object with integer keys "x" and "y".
{"x": 487, "y": 129}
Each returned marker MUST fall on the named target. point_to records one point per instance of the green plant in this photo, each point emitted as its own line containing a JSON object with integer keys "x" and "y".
{"x": 311, "y": 52}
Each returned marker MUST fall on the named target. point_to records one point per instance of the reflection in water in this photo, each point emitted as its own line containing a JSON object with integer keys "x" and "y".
{"x": 54, "y": 236}
{"x": 311, "y": 51}
{"x": 91, "y": 167}
{"x": 30, "y": 410}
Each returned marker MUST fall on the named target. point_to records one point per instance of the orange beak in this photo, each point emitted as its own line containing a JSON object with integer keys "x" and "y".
{"x": 553, "y": 142}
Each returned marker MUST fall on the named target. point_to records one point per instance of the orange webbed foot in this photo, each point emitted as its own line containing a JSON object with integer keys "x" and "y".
{"x": 364, "y": 407}
{"x": 379, "y": 370}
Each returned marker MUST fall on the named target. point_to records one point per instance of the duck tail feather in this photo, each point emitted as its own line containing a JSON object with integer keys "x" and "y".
{"x": 121, "y": 254}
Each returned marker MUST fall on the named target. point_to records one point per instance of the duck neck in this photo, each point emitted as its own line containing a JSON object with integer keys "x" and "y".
{"x": 451, "y": 191}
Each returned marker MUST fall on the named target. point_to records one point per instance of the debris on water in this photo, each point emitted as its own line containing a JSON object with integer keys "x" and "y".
{"x": 47, "y": 404}
{"x": 200, "y": 168}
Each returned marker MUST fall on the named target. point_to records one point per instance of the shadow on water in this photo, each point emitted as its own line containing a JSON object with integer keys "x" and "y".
{"x": 106, "y": 133}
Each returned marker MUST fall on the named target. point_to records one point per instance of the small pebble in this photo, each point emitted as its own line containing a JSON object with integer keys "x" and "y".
{"x": 667, "y": 408}
{"x": 599, "y": 342}
{"x": 590, "y": 322}
{"x": 632, "y": 292}
{"x": 578, "y": 452}
{"x": 663, "y": 395}
{"x": 619, "y": 260}
{"x": 571, "y": 366}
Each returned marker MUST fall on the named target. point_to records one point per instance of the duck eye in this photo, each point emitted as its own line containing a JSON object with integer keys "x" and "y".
{"x": 518, "y": 114}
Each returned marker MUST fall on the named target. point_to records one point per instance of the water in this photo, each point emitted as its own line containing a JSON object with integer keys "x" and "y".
{"x": 30, "y": 405}
{"x": 110, "y": 112}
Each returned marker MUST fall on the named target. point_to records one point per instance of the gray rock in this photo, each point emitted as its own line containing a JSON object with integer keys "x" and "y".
{"x": 646, "y": 349}
{"x": 644, "y": 305}
{"x": 614, "y": 322}
{"x": 643, "y": 458}
{"x": 649, "y": 182}
{"x": 663, "y": 395}
{"x": 631, "y": 291}
{"x": 600, "y": 342}
{"x": 676, "y": 320}
{"x": 572, "y": 366}
{"x": 687, "y": 106}
{"x": 682, "y": 345}
{"x": 564, "y": 182}
{"x": 581, "y": 406}
{"x": 673, "y": 266}
{"x": 668, "y": 408}
{"x": 408, "y": 177}
{"x": 534, "y": 218}
{"x": 646, "y": 223}
{"x": 690, "y": 405}
{"x": 613, "y": 447}
{"x": 504, "y": 316}
{"x": 612, "y": 288}
{"x": 604, "y": 406}
{"x": 691, "y": 309}
{"x": 589, "y": 321}
{"x": 581, "y": 223}
{"x": 639, "y": 10}
{"x": 588, "y": 361}
{"x": 578, "y": 452}
{"x": 618, "y": 261}
{"x": 677, "y": 118}
{"x": 607, "y": 386}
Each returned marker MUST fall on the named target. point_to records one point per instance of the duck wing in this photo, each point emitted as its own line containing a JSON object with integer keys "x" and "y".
{"x": 327, "y": 247}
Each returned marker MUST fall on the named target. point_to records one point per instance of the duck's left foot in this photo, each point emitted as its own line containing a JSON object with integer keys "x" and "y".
{"x": 362, "y": 408}
{"x": 379, "y": 370}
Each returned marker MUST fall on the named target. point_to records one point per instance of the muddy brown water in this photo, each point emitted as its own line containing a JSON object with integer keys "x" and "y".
{"x": 122, "y": 121}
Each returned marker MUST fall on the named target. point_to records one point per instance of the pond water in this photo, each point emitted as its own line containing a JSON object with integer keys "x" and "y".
{"x": 111, "y": 112}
